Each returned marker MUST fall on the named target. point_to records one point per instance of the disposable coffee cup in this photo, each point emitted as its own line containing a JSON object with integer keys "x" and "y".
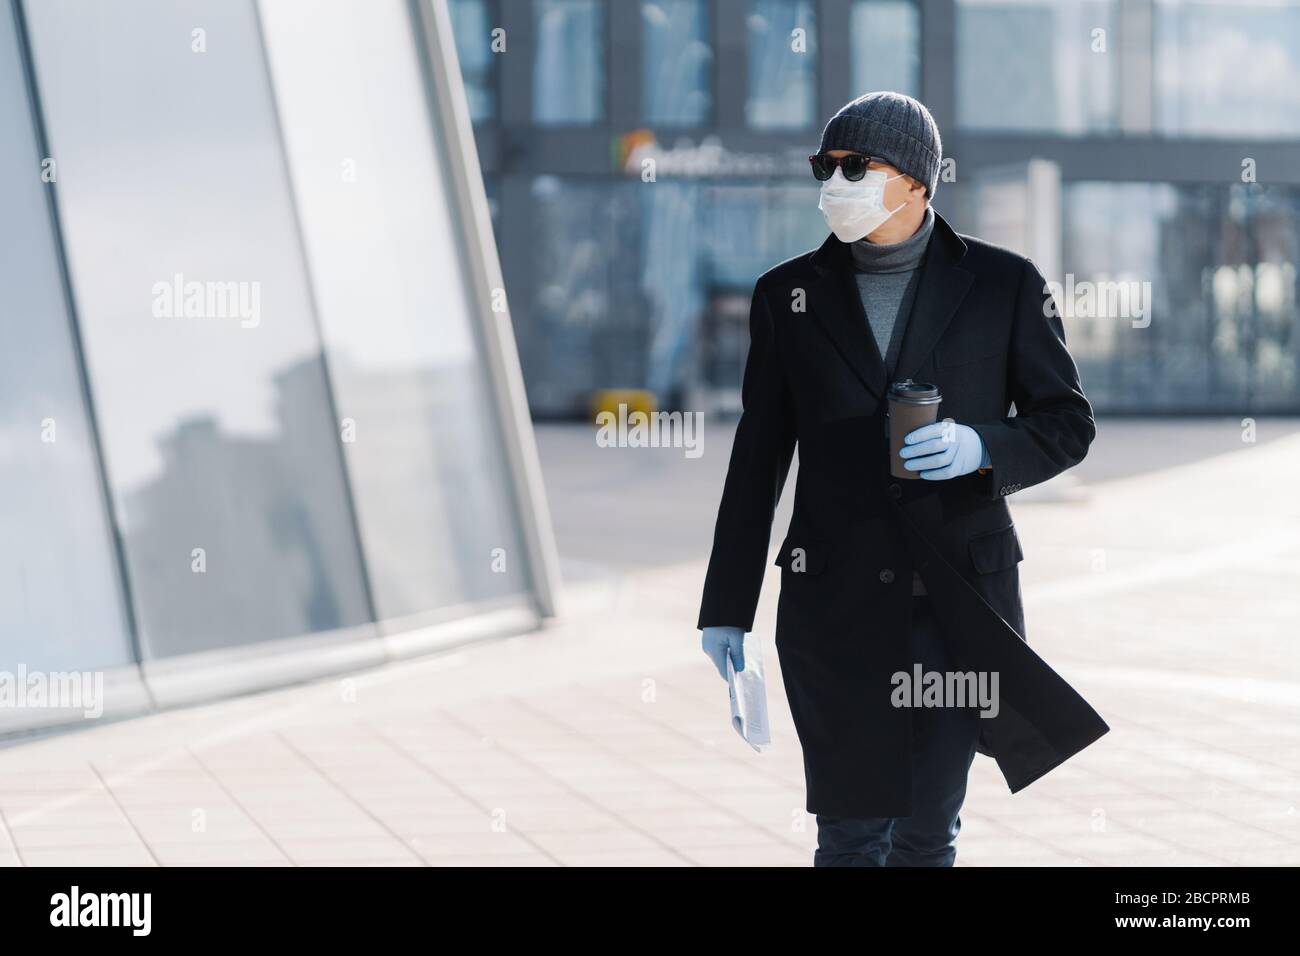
{"x": 911, "y": 405}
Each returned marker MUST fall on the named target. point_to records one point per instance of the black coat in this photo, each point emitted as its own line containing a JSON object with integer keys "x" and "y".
{"x": 984, "y": 330}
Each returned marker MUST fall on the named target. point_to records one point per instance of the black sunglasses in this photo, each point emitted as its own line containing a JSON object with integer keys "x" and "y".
{"x": 854, "y": 165}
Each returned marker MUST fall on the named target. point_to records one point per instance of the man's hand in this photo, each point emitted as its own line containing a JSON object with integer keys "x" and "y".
{"x": 943, "y": 450}
{"x": 719, "y": 641}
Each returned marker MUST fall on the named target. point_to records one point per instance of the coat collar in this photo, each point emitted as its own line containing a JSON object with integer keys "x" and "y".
{"x": 833, "y": 298}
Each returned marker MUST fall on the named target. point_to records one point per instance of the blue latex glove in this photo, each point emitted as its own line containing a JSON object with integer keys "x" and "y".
{"x": 718, "y": 641}
{"x": 943, "y": 450}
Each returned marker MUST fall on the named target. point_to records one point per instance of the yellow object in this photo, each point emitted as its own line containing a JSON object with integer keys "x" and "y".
{"x": 636, "y": 400}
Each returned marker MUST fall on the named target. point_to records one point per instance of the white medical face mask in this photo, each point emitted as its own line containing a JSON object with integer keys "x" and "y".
{"x": 855, "y": 210}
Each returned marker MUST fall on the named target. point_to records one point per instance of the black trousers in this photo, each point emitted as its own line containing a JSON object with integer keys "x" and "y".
{"x": 943, "y": 748}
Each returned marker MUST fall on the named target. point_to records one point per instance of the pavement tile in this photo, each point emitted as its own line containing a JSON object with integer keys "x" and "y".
{"x": 211, "y": 853}
{"x": 354, "y": 827}
{"x": 305, "y": 852}
{"x": 621, "y": 858}
{"x": 89, "y": 855}
{"x": 505, "y": 861}
{"x": 31, "y": 838}
{"x": 438, "y": 850}
{"x": 595, "y": 841}
{"x": 759, "y": 855}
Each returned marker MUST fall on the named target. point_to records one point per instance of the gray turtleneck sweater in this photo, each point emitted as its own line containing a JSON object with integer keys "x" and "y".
{"x": 887, "y": 277}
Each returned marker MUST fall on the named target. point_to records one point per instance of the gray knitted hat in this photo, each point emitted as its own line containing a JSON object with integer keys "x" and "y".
{"x": 892, "y": 127}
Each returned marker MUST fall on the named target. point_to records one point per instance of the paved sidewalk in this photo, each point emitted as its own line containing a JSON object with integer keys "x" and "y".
{"x": 1168, "y": 598}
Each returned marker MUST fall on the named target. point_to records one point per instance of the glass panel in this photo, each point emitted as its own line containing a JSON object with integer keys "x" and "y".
{"x": 1272, "y": 216}
{"x": 886, "y": 36}
{"x": 203, "y": 357}
{"x": 569, "y": 69}
{"x": 469, "y": 21}
{"x": 634, "y": 278}
{"x": 1037, "y": 65}
{"x": 746, "y": 229}
{"x": 1221, "y": 262}
{"x": 60, "y": 605}
{"x": 670, "y": 283}
{"x": 782, "y": 64}
{"x": 422, "y": 443}
{"x": 588, "y": 323}
{"x": 1227, "y": 69}
{"x": 677, "y": 61}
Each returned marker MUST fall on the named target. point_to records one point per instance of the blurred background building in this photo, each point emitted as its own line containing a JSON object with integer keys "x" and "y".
{"x": 1148, "y": 141}
{"x": 325, "y": 466}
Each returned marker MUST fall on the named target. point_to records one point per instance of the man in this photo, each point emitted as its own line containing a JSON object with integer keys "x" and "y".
{"x": 881, "y": 574}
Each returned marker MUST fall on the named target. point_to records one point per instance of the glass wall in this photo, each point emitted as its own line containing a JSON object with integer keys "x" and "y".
{"x": 634, "y": 276}
{"x": 1223, "y": 329}
{"x": 422, "y": 442}
{"x": 60, "y": 603}
{"x": 672, "y": 272}
{"x": 782, "y": 65}
{"x": 588, "y": 322}
{"x": 1045, "y": 66}
{"x": 886, "y": 38}
{"x": 203, "y": 355}
{"x": 256, "y": 416}
{"x": 569, "y": 63}
{"x": 1060, "y": 89}
{"x": 677, "y": 62}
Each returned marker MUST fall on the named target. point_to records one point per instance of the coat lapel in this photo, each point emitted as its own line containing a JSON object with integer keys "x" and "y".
{"x": 834, "y": 300}
{"x": 942, "y": 286}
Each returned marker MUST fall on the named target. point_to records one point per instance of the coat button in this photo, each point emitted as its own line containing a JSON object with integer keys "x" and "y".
{"x": 886, "y": 576}
{"x": 895, "y": 490}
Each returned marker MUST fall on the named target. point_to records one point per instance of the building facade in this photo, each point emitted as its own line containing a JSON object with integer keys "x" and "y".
{"x": 1145, "y": 153}
{"x": 263, "y": 418}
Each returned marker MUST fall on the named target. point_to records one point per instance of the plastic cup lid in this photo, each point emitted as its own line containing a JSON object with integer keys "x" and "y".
{"x": 909, "y": 389}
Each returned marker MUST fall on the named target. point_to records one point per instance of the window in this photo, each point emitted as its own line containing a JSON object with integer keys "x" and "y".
{"x": 782, "y": 65}
{"x": 587, "y": 327}
{"x": 886, "y": 37}
{"x": 632, "y": 280}
{"x": 1227, "y": 69}
{"x": 1046, "y": 66}
{"x": 1221, "y": 263}
{"x": 569, "y": 69}
{"x": 677, "y": 61}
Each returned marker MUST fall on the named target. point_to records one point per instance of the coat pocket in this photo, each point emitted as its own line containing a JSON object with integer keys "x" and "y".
{"x": 801, "y": 555}
{"x": 995, "y": 550}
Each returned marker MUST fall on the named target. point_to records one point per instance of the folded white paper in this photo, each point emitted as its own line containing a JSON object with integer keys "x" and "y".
{"x": 748, "y": 691}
